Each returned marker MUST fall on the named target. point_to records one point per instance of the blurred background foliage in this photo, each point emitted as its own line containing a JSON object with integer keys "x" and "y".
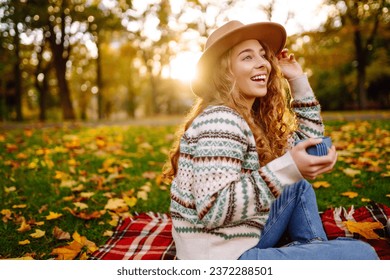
{"x": 113, "y": 59}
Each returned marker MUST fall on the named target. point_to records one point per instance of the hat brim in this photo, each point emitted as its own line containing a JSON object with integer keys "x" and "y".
{"x": 270, "y": 33}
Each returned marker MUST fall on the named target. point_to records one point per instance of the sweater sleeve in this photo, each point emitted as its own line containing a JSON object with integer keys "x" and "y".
{"x": 307, "y": 109}
{"x": 227, "y": 185}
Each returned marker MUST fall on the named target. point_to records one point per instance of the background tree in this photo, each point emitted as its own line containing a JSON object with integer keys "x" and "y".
{"x": 14, "y": 16}
{"x": 362, "y": 18}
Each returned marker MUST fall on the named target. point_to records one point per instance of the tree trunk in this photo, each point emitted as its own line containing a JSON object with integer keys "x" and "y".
{"x": 60, "y": 59}
{"x": 66, "y": 102}
{"x": 361, "y": 69}
{"x": 99, "y": 79}
{"x": 18, "y": 78}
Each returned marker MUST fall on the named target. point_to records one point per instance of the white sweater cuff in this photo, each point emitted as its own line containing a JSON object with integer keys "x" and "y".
{"x": 300, "y": 87}
{"x": 285, "y": 169}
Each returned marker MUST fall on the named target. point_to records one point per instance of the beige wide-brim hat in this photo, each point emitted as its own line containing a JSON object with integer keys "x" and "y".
{"x": 227, "y": 36}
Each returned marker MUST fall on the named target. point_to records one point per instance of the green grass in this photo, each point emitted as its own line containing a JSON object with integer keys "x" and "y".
{"x": 360, "y": 145}
{"x": 113, "y": 162}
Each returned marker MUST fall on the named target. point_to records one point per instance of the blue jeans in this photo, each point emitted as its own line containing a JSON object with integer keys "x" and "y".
{"x": 296, "y": 212}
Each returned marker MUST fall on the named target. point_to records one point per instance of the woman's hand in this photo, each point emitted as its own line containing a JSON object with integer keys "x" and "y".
{"x": 290, "y": 67}
{"x": 311, "y": 166}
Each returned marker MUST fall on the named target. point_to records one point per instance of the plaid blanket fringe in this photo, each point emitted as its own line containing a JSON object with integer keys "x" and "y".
{"x": 148, "y": 236}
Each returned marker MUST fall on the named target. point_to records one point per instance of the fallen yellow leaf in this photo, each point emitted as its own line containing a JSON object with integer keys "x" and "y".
{"x": 24, "y": 226}
{"x": 60, "y": 175}
{"x": 53, "y": 216}
{"x": 320, "y": 184}
{"x": 351, "y": 172}
{"x": 365, "y": 199}
{"x": 131, "y": 201}
{"x": 24, "y": 242}
{"x": 38, "y": 233}
{"x": 19, "y": 206}
{"x": 78, "y": 188}
{"x": 32, "y": 165}
{"x": 6, "y": 215}
{"x": 10, "y": 189}
{"x": 115, "y": 203}
{"x": 72, "y": 162}
{"x": 91, "y": 246}
{"x": 80, "y": 205}
{"x": 142, "y": 195}
{"x": 73, "y": 249}
{"x": 67, "y": 183}
{"x": 350, "y": 194}
{"x": 108, "y": 233}
{"x": 86, "y": 194}
{"x": 68, "y": 252}
{"x": 365, "y": 229}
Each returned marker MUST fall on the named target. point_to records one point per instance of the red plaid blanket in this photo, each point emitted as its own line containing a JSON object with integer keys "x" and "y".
{"x": 148, "y": 236}
{"x": 333, "y": 221}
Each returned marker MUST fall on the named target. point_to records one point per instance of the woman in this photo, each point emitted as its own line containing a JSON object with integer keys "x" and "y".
{"x": 238, "y": 180}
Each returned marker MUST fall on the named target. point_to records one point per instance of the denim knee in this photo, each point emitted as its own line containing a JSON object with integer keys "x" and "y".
{"x": 361, "y": 249}
{"x": 338, "y": 249}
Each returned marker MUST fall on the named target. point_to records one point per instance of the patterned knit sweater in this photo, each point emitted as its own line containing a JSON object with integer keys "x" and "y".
{"x": 221, "y": 196}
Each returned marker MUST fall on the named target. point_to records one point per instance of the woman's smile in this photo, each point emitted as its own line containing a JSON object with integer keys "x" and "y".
{"x": 250, "y": 69}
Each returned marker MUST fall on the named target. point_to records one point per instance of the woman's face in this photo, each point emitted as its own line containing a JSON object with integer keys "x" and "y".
{"x": 251, "y": 69}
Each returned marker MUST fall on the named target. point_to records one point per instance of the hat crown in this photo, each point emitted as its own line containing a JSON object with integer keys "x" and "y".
{"x": 222, "y": 31}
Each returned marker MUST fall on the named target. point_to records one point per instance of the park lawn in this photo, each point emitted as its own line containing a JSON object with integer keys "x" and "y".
{"x": 65, "y": 188}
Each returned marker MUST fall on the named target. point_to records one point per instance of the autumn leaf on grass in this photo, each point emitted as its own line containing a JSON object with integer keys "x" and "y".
{"x": 90, "y": 246}
{"x": 60, "y": 234}
{"x": 68, "y": 183}
{"x": 19, "y": 206}
{"x": 80, "y": 205}
{"x": 11, "y": 147}
{"x": 108, "y": 233}
{"x": 130, "y": 201}
{"x": 149, "y": 175}
{"x": 116, "y": 204}
{"x": 38, "y": 233}
{"x": 6, "y": 215}
{"x": 24, "y": 226}
{"x": 68, "y": 252}
{"x": 53, "y": 215}
{"x": 87, "y": 194}
{"x": 73, "y": 249}
{"x": 365, "y": 229}
{"x": 142, "y": 195}
{"x": 24, "y": 242}
{"x": 85, "y": 215}
{"x": 386, "y": 174}
{"x": 321, "y": 184}
{"x": 350, "y": 194}
{"x": 60, "y": 175}
{"x": 351, "y": 172}
{"x": 10, "y": 189}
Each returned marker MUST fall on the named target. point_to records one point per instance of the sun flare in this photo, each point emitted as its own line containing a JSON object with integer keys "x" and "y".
{"x": 183, "y": 66}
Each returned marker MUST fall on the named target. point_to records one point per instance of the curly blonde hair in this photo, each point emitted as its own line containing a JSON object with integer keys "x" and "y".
{"x": 270, "y": 118}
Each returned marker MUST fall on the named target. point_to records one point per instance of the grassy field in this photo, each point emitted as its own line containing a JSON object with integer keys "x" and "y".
{"x": 63, "y": 189}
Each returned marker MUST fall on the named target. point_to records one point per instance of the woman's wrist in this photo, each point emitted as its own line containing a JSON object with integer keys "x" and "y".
{"x": 297, "y": 76}
{"x": 300, "y": 87}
